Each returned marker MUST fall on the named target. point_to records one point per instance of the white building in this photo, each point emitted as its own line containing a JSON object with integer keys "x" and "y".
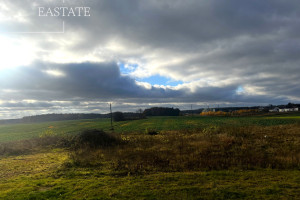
{"x": 288, "y": 109}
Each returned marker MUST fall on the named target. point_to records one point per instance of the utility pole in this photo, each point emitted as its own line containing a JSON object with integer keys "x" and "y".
{"x": 192, "y": 109}
{"x": 111, "y": 118}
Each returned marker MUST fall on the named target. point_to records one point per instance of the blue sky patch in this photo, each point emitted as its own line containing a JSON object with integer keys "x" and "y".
{"x": 153, "y": 80}
{"x": 127, "y": 69}
{"x": 160, "y": 80}
{"x": 240, "y": 89}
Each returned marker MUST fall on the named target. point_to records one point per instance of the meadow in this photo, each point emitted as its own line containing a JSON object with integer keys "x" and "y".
{"x": 186, "y": 157}
{"x": 15, "y": 132}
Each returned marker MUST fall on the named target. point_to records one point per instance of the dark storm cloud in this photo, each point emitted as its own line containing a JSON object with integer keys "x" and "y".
{"x": 84, "y": 81}
{"x": 96, "y": 81}
{"x": 179, "y": 24}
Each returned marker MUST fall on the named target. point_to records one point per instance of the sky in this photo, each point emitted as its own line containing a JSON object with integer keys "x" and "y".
{"x": 145, "y": 53}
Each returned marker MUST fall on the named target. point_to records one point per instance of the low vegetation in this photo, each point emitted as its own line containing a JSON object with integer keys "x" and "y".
{"x": 214, "y": 148}
{"x": 28, "y": 146}
{"x": 44, "y": 176}
{"x": 194, "y": 158}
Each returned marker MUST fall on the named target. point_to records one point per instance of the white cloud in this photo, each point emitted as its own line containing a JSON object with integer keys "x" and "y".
{"x": 55, "y": 73}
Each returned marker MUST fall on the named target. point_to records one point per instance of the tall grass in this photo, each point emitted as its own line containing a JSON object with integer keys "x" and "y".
{"x": 212, "y": 148}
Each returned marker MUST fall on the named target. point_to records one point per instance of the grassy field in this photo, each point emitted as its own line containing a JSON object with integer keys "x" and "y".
{"x": 190, "y": 123}
{"x": 193, "y": 157}
{"x": 42, "y": 176}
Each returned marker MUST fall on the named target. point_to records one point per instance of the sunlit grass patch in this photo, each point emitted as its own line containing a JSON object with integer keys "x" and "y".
{"x": 32, "y": 164}
{"x": 127, "y": 124}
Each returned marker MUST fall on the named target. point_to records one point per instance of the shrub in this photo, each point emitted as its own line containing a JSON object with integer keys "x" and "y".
{"x": 94, "y": 139}
{"x": 151, "y": 132}
{"x": 87, "y": 147}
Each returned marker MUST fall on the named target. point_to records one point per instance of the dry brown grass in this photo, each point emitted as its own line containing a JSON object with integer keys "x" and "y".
{"x": 213, "y": 148}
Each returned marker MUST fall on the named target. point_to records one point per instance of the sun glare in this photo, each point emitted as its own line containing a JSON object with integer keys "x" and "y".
{"x": 14, "y": 52}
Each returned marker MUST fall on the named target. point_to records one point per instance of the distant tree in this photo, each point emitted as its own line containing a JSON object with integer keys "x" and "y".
{"x": 159, "y": 111}
{"x": 140, "y": 113}
{"x": 290, "y": 105}
{"x": 118, "y": 116}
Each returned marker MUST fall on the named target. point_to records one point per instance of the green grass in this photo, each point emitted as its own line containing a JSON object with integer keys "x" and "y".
{"x": 42, "y": 176}
{"x": 27, "y": 131}
{"x": 49, "y": 173}
{"x": 198, "y": 122}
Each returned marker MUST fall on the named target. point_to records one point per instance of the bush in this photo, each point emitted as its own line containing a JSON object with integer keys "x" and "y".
{"x": 151, "y": 132}
{"x": 94, "y": 139}
{"x": 88, "y": 145}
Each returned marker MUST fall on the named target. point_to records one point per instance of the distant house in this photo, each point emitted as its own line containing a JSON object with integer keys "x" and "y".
{"x": 288, "y": 109}
{"x": 276, "y": 109}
